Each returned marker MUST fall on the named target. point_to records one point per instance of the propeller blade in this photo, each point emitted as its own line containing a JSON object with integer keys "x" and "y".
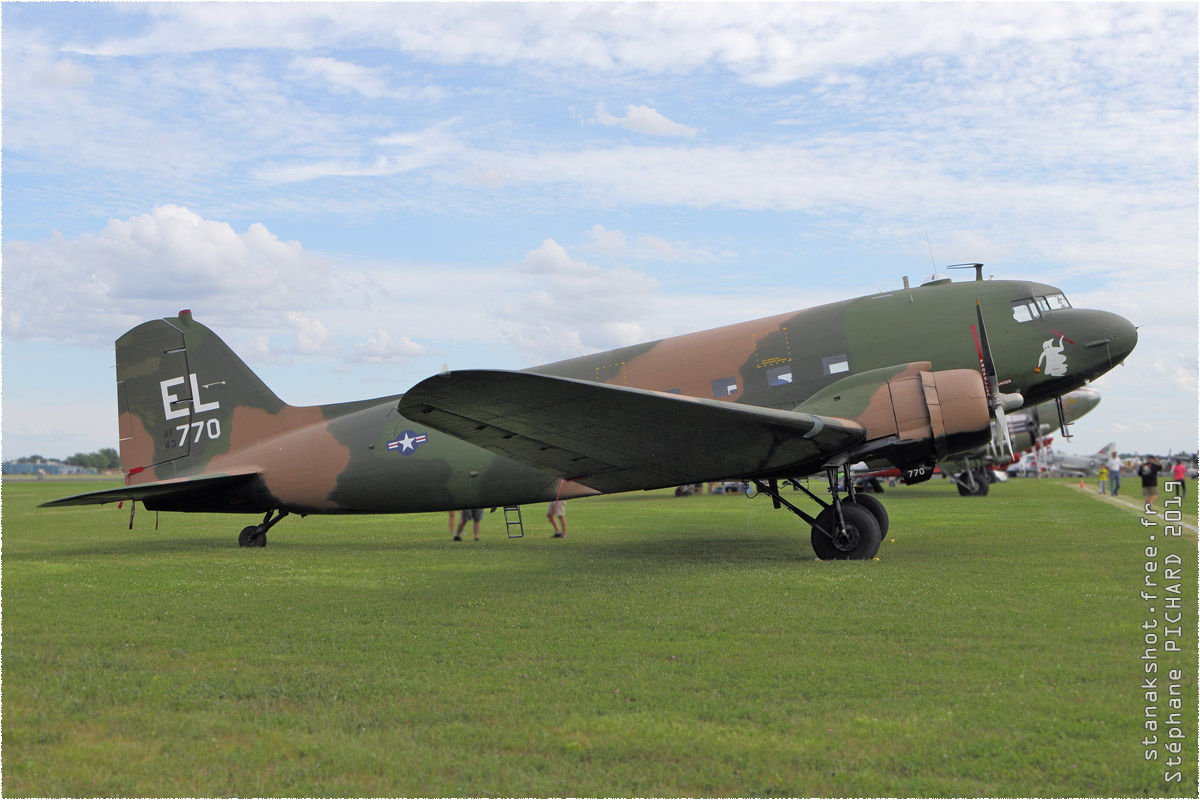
{"x": 998, "y": 402}
{"x": 1002, "y": 425}
{"x": 987, "y": 366}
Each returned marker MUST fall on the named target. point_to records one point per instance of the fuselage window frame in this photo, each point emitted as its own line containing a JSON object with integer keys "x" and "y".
{"x": 835, "y": 365}
{"x": 1025, "y": 310}
{"x": 780, "y": 376}
{"x": 723, "y": 388}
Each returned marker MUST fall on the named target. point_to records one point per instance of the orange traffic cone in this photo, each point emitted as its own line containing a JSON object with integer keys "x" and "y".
{"x": 1081, "y": 486}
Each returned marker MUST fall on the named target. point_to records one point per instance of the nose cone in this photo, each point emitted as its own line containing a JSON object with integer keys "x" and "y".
{"x": 1117, "y": 336}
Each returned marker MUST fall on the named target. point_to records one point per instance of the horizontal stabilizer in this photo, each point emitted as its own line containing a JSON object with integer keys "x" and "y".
{"x": 617, "y": 438}
{"x": 156, "y": 490}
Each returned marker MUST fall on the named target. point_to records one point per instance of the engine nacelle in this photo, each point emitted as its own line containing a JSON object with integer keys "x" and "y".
{"x": 912, "y": 415}
{"x": 937, "y": 414}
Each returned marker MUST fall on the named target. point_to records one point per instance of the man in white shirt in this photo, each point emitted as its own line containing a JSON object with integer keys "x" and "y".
{"x": 1114, "y": 474}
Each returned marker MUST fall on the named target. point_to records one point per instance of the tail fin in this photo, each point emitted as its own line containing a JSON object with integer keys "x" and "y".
{"x": 178, "y": 387}
{"x": 1107, "y": 449}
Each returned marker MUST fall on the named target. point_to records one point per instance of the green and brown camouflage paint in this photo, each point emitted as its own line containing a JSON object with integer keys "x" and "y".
{"x": 903, "y": 365}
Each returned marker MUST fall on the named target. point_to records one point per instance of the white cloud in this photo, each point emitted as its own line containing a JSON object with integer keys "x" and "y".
{"x": 62, "y": 74}
{"x": 578, "y": 307}
{"x": 153, "y": 265}
{"x": 765, "y": 44}
{"x": 551, "y": 258}
{"x": 607, "y": 241}
{"x": 346, "y": 76}
{"x": 642, "y": 119}
{"x": 382, "y": 348}
{"x": 312, "y": 335}
{"x": 661, "y": 248}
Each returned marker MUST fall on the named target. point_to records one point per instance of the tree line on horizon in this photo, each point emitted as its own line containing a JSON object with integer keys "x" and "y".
{"x": 105, "y": 458}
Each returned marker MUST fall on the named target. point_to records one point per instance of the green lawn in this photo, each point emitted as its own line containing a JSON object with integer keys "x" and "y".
{"x": 669, "y": 646}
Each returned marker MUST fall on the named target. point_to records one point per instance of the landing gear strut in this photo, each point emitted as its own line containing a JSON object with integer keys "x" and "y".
{"x": 256, "y": 535}
{"x": 845, "y": 529}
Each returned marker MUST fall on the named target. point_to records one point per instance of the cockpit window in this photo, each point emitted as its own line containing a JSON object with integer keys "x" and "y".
{"x": 1025, "y": 310}
{"x": 1042, "y": 304}
{"x": 1057, "y": 301}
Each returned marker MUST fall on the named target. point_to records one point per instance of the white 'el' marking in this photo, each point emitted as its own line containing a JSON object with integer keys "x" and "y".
{"x": 168, "y": 398}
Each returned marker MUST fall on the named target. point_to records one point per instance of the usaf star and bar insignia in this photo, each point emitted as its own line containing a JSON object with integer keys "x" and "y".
{"x": 406, "y": 444}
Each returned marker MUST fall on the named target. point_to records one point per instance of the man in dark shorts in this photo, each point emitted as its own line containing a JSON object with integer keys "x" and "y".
{"x": 1148, "y": 472}
{"x": 475, "y": 514}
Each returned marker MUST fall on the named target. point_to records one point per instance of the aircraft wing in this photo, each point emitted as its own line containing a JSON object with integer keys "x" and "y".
{"x": 174, "y": 487}
{"x": 617, "y": 438}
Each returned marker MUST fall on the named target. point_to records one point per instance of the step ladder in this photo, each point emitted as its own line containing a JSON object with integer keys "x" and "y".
{"x": 512, "y": 519}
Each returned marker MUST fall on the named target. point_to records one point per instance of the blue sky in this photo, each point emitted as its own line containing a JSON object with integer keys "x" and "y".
{"x": 353, "y": 195}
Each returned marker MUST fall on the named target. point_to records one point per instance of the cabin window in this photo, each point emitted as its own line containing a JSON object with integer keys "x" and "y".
{"x": 674, "y": 391}
{"x": 779, "y": 376}
{"x": 832, "y": 365}
{"x": 724, "y": 387}
{"x": 1057, "y": 301}
{"x": 1024, "y": 310}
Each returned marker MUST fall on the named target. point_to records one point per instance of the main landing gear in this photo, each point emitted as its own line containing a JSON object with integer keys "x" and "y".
{"x": 256, "y": 535}
{"x": 845, "y": 529}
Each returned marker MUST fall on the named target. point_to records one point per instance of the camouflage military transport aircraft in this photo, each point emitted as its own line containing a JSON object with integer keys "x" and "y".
{"x": 905, "y": 377}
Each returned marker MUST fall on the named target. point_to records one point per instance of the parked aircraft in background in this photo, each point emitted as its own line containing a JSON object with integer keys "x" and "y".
{"x": 905, "y": 377}
{"x": 1027, "y": 430}
{"x": 1067, "y": 464}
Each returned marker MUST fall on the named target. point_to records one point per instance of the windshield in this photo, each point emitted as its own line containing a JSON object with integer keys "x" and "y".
{"x": 1058, "y": 301}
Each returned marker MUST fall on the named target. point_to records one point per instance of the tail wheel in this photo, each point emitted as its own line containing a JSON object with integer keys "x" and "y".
{"x": 860, "y": 539}
{"x": 252, "y": 536}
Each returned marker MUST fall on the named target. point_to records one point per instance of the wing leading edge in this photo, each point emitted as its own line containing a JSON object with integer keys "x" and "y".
{"x": 617, "y": 438}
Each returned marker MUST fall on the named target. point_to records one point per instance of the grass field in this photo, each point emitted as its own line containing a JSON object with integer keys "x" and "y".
{"x": 669, "y": 646}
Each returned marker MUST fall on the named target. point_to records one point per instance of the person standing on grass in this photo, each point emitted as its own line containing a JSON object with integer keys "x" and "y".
{"x": 469, "y": 513}
{"x": 1103, "y": 476}
{"x": 1179, "y": 475}
{"x": 557, "y": 514}
{"x": 1148, "y": 472}
{"x": 1114, "y": 474}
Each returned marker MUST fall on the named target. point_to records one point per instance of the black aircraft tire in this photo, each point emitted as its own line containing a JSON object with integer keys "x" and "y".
{"x": 260, "y": 538}
{"x": 983, "y": 481}
{"x": 964, "y": 484}
{"x": 246, "y": 537}
{"x": 862, "y": 528}
{"x": 877, "y": 511}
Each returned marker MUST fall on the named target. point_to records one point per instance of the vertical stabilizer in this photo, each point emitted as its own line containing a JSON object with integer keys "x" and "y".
{"x": 178, "y": 388}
